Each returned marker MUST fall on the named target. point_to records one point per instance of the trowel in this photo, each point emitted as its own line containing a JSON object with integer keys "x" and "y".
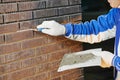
{"x": 79, "y": 60}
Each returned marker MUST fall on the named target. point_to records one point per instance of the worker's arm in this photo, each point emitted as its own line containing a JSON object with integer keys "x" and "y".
{"x": 94, "y": 31}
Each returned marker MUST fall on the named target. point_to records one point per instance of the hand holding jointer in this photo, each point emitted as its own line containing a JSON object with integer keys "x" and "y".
{"x": 52, "y": 28}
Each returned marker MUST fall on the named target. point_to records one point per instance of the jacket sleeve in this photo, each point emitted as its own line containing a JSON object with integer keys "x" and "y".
{"x": 116, "y": 62}
{"x": 94, "y": 31}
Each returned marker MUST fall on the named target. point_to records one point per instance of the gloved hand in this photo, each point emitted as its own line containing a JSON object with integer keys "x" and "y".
{"x": 106, "y": 58}
{"x": 51, "y": 28}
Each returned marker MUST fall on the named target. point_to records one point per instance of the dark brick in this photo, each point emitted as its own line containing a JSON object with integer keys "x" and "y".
{"x": 9, "y": 7}
{"x": 61, "y": 19}
{"x": 31, "y": 5}
{"x": 69, "y": 10}
{"x": 56, "y": 3}
{"x": 45, "y": 13}
{"x": 76, "y": 18}
{"x": 74, "y": 2}
{"x": 29, "y": 24}
{"x": 18, "y": 16}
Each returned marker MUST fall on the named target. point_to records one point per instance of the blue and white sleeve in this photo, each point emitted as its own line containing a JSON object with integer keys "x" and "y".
{"x": 94, "y": 31}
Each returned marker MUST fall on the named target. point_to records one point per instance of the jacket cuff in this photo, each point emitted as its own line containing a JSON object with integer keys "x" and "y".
{"x": 116, "y": 62}
{"x": 68, "y": 28}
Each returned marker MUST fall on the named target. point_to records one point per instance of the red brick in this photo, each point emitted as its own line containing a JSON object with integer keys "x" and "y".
{"x": 42, "y": 76}
{"x": 9, "y": 7}
{"x": 45, "y": 13}
{"x": 57, "y": 55}
{"x": 57, "y": 78}
{"x": 39, "y": 34}
{"x": 11, "y": 17}
{"x": 18, "y": 36}
{"x": 12, "y": 66}
{"x": 53, "y": 65}
{"x": 42, "y": 68}
{"x": 73, "y": 75}
{"x": 29, "y": 78}
{"x": 2, "y": 39}
{"x": 78, "y": 47}
{"x": 8, "y": 48}
{"x": 3, "y": 77}
{"x": 48, "y": 48}
{"x": 31, "y": 5}
{"x": 2, "y": 59}
{"x": 21, "y": 74}
{"x": 41, "y": 59}
{"x": 69, "y": 43}
{"x": 53, "y": 39}
{"x": 34, "y": 43}
{"x": 7, "y": 28}
{"x": 28, "y": 62}
{"x": 1, "y": 19}
{"x": 54, "y": 74}
{"x": 80, "y": 78}
{"x": 12, "y": 0}
{"x": 19, "y": 55}
{"x": 28, "y": 24}
{"x": 2, "y": 69}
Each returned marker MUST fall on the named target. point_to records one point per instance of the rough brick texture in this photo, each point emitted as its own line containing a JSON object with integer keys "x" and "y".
{"x": 31, "y": 55}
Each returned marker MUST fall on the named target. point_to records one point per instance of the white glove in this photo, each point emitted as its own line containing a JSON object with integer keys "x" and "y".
{"x": 106, "y": 58}
{"x": 52, "y": 28}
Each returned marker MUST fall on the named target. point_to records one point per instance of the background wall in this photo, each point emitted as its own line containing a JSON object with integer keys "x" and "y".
{"x": 29, "y": 55}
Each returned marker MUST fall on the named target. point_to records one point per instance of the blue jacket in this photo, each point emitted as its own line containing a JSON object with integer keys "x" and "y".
{"x": 105, "y": 27}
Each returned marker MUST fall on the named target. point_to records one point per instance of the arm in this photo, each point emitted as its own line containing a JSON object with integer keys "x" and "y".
{"x": 94, "y": 31}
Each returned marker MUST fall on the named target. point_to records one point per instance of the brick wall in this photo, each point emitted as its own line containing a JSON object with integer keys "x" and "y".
{"x": 29, "y": 55}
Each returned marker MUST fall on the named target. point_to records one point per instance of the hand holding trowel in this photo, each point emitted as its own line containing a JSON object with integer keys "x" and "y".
{"x": 93, "y": 57}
